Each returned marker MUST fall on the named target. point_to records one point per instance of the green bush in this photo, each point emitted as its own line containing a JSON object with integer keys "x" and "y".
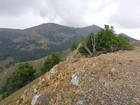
{"x": 88, "y": 41}
{"x": 83, "y": 51}
{"x": 22, "y": 76}
{"x": 52, "y": 60}
{"x": 106, "y": 41}
{"x": 123, "y": 43}
{"x": 73, "y": 47}
{"x": 105, "y": 38}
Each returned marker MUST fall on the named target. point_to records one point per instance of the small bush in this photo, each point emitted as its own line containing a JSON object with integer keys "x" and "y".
{"x": 51, "y": 61}
{"x": 123, "y": 43}
{"x": 73, "y": 47}
{"x": 69, "y": 95}
{"x": 83, "y": 51}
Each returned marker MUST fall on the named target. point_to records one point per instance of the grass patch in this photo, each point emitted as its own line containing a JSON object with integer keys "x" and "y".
{"x": 45, "y": 85}
{"x": 69, "y": 95}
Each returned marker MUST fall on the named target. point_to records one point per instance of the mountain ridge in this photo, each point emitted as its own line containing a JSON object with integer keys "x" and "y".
{"x": 38, "y": 41}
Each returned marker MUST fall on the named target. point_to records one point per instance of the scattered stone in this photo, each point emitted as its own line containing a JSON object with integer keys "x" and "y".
{"x": 59, "y": 96}
{"x": 54, "y": 69}
{"x": 114, "y": 73}
{"x": 113, "y": 70}
{"x": 75, "y": 79}
{"x": 17, "y": 101}
{"x": 35, "y": 90}
{"x": 81, "y": 102}
{"x": 43, "y": 80}
{"x": 39, "y": 99}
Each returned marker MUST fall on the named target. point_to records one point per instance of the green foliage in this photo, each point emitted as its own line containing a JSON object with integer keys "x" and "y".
{"x": 88, "y": 41}
{"x": 52, "y": 60}
{"x": 106, "y": 40}
{"x": 83, "y": 51}
{"x": 73, "y": 47}
{"x": 69, "y": 95}
{"x": 45, "y": 85}
{"x": 22, "y": 76}
{"x": 123, "y": 43}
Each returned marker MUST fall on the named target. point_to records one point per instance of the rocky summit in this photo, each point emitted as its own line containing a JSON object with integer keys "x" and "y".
{"x": 107, "y": 79}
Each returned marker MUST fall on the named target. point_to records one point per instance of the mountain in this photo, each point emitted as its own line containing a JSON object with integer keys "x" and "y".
{"x": 107, "y": 79}
{"x": 36, "y": 42}
{"x": 18, "y": 45}
{"x": 130, "y": 38}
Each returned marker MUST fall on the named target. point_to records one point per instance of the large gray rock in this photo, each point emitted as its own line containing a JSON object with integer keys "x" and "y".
{"x": 81, "y": 102}
{"x": 76, "y": 79}
{"x": 39, "y": 99}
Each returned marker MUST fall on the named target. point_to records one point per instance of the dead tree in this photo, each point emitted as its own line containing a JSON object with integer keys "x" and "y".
{"x": 93, "y": 39}
{"x": 87, "y": 49}
{"x": 114, "y": 47}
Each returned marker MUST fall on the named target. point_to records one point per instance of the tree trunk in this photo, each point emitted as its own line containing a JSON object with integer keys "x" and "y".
{"x": 85, "y": 46}
{"x": 93, "y": 43}
{"x": 91, "y": 54}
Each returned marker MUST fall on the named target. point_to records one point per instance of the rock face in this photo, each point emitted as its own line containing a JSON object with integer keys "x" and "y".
{"x": 108, "y": 79}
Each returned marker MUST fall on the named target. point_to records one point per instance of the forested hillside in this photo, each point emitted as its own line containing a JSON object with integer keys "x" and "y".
{"x": 37, "y": 42}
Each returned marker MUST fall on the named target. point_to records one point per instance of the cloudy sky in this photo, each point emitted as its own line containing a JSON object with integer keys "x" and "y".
{"x": 124, "y": 15}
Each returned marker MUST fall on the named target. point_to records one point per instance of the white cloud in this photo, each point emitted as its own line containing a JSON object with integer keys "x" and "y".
{"x": 21, "y": 22}
{"x": 127, "y": 14}
{"x": 122, "y": 14}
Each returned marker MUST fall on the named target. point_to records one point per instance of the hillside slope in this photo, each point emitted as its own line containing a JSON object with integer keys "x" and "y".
{"x": 37, "y": 42}
{"x": 108, "y": 79}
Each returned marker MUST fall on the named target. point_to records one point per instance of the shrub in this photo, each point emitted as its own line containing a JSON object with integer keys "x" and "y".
{"x": 73, "y": 47}
{"x": 83, "y": 51}
{"x": 123, "y": 43}
{"x": 106, "y": 41}
{"x": 69, "y": 95}
{"x": 52, "y": 60}
{"x": 88, "y": 42}
{"x": 22, "y": 76}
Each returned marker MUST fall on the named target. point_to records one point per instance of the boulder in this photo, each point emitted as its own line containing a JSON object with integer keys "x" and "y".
{"x": 54, "y": 69}
{"x": 39, "y": 99}
{"x": 75, "y": 79}
{"x": 81, "y": 102}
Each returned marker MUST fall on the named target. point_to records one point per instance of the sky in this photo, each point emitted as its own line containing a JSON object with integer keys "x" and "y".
{"x": 123, "y": 15}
